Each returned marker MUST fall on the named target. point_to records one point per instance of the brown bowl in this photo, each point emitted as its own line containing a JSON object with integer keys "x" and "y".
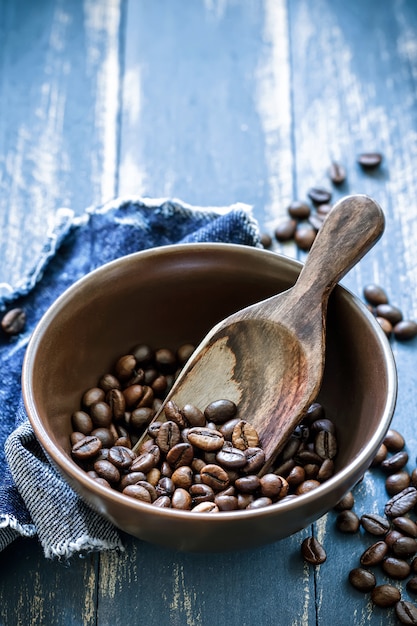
{"x": 172, "y": 295}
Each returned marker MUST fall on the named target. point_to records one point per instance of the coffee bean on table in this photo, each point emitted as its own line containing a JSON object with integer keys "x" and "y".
{"x": 391, "y": 313}
{"x": 397, "y": 482}
{"x": 406, "y": 612}
{"x": 337, "y": 173}
{"x": 374, "y": 294}
{"x": 405, "y": 525}
{"x": 346, "y": 503}
{"x": 404, "y": 330}
{"x": 374, "y": 554}
{"x": 347, "y": 522}
{"x": 404, "y": 547}
{"x": 319, "y": 195}
{"x": 401, "y": 503}
{"x": 312, "y": 551}
{"x": 396, "y": 568}
{"x": 412, "y": 584}
{"x": 369, "y": 160}
{"x": 14, "y": 321}
{"x": 385, "y": 595}
{"x": 285, "y": 230}
{"x": 304, "y": 236}
{"x": 394, "y": 441}
{"x": 299, "y": 210}
{"x": 362, "y": 579}
{"x": 375, "y": 524}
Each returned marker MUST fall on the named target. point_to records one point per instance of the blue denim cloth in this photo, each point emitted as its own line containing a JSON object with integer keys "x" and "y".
{"x": 34, "y": 500}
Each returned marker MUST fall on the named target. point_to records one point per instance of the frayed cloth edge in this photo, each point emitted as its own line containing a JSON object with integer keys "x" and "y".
{"x": 11, "y": 529}
{"x": 82, "y": 546}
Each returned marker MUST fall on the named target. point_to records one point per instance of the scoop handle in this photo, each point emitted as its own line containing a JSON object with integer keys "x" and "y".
{"x": 349, "y": 231}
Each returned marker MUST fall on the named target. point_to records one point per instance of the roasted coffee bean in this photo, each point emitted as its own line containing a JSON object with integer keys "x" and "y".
{"x": 307, "y": 486}
{"x": 391, "y": 537}
{"x": 193, "y": 416}
{"x": 285, "y": 230}
{"x": 245, "y": 436}
{"x": 206, "y": 507}
{"x": 166, "y": 360}
{"x": 299, "y": 210}
{"x": 143, "y": 354}
{"x": 244, "y": 500}
{"x": 214, "y": 476}
{"x": 117, "y": 403}
{"x": 394, "y": 441}
{"x": 273, "y": 486}
{"x": 82, "y": 422}
{"x": 139, "y": 492}
{"x": 323, "y": 210}
{"x": 385, "y": 325}
{"x": 406, "y": 526}
{"x": 304, "y": 236}
{"x": 391, "y": 313}
{"x": 248, "y": 484}
{"x": 106, "y": 469}
{"x": 259, "y": 503}
{"x": 132, "y": 395}
{"x": 380, "y": 455}
{"x": 396, "y": 568}
{"x": 220, "y": 411}
{"x": 406, "y": 612}
{"x": 369, "y": 160}
{"x": 404, "y": 330}
{"x": 347, "y": 522}
{"x": 326, "y": 470}
{"x": 290, "y": 449}
{"x": 375, "y": 524}
{"x": 316, "y": 221}
{"x": 395, "y": 483}
{"x": 87, "y": 448}
{"x": 284, "y": 469}
{"x": 201, "y": 493}
{"x": 131, "y": 479}
{"x": 266, "y": 240}
{"x": 308, "y": 456}
{"x": 105, "y": 435}
{"x": 141, "y": 417}
{"x": 404, "y": 547}
{"x": 385, "y": 595}
{"x": 147, "y": 460}
{"x": 181, "y": 499}
{"x": 101, "y": 414}
{"x": 401, "y": 503}
{"x": 180, "y": 454}
{"x": 183, "y": 477}
{"x": 319, "y": 195}
{"x": 184, "y": 352}
{"x": 325, "y": 444}
{"x": 163, "y": 502}
{"x": 375, "y": 295}
{"x": 312, "y": 551}
{"x": 76, "y": 437}
{"x": 121, "y": 457}
{"x": 322, "y": 424}
{"x": 125, "y": 366}
{"x": 362, "y": 579}
{"x": 14, "y": 321}
{"x": 227, "y": 428}
{"x": 205, "y": 438}
{"x": 173, "y": 414}
{"x": 311, "y": 470}
{"x": 153, "y": 428}
{"x": 412, "y": 584}
{"x": 109, "y": 382}
{"x": 395, "y": 462}
{"x": 91, "y": 396}
{"x": 226, "y": 502}
{"x": 346, "y": 503}
{"x": 168, "y": 436}
{"x": 230, "y": 457}
{"x": 337, "y": 173}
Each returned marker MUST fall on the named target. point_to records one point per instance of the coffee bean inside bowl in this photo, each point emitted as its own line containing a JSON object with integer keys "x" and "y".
{"x": 204, "y": 461}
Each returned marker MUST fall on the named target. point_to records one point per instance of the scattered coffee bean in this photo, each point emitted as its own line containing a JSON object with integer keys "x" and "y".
{"x": 375, "y": 554}
{"x": 337, "y": 173}
{"x": 404, "y": 330}
{"x": 318, "y": 195}
{"x": 396, "y": 568}
{"x": 397, "y": 482}
{"x": 299, "y": 210}
{"x": 14, "y": 321}
{"x": 385, "y": 595}
{"x": 347, "y": 522}
{"x": 375, "y": 524}
{"x": 406, "y": 612}
{"x": 285, "y": 231}
{"x": 375, "y": 295}
{"x": 304, "y": 236}
{"x": 401, "y": 503}
{"x": 312, "y": 551}
{"x": 369, "y": 160}
{"x": 362, "y": 579}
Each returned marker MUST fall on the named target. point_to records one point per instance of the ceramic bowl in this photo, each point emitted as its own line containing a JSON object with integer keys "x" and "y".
{"x": 173, "y": 295}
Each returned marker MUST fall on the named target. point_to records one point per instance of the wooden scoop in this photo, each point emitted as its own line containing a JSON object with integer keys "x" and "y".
{"x": 269, "y": 357}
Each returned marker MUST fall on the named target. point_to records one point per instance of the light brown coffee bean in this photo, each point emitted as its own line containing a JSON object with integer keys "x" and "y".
{"x": 181, "y": 499}
{"x": 245, "y": 436}
{"x": 205, "y": 438}
{"x": 396, "y": 568}
{"x": 180, "y": 454}
{"x": 14, "y": 321}
{"x": 214, "y": 476}
{"x": 139, "y": 492}
{"x": 385, "y": 595}
{"x": 169, "y": 435}
{"x": 205, "y": 507}
{"x": 362, "y": 579}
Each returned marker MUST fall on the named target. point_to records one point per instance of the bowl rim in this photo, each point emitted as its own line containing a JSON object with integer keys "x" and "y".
{"x": 67, "y": 467}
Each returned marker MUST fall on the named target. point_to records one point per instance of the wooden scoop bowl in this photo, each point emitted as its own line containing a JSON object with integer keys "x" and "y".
{"x": 269, "y": 358}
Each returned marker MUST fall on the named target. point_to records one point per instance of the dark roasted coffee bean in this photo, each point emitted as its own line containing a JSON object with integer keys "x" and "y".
{"x": 295, "y": 477}
{"x": 139, "y": 492}
{"x": 248, "y": 484}
{"x": 201, "y": 493}
{"x": 346, "y": 503}
{"x": 168, "y": 436}
{"x": 394, "y": 441}
{"x": 106, "y": 469}
{"x": 131, "y": 479}
{"x": 205, "y": 438}
{"x": 105, "y": 435}
{"x": 290, "y": 449}
{"x": 214, "y": 476}
{"x": 184, "y": 352}
{"x": 285, "y": 468}
{"x": 369, "y": 160}
{"x": 160, "y": 385}
{"x": 326, "y": 470}
{"x": 401, "y": 503}
{"x": 404, "y": 330}
{"x": 322, "y": 424}
{"x": 385, "y": 325}
{"x": 314, "y": 412}
{"x": 374, "y": 294}
{"x": 299, "y": 210}
{"x": 304, "y": 236}
{"x": 206, "y": 507}
{"x": 226, "y": 502}
{"x": 150, "y": 488}
{"x": 91, "y": 396}
{"x": 165, "y": 360}
{"x": 380, "y": 455}
{"x": 245, "y": 436}
{"x": 125, "y": 366}
{"x": 132, "y": 395}
{"x": 412, "y": 584}
{"x": 337, "y": 173}
{"x": 173, "y": 414}
{"x": 121, "y": 457}
{"x": 374, "y": 554}
{"x": 362, "y": 579}
{"x": 76, "y": 437}
{"x": 285, "y": 230}
{"x": 163, "y": 502}
{"x": 405, "y": 525}
{"x": 312, "y": 551}
{"x": 391, "y": 537}
{"x": 147, "y": 460}
{"x": 109, "y": 382}
{"x": 143, "y": 354}
{"x": 391, "y": 313}
{"x": 385, "y": 595}
{"x": 82, "y": 422}
{"x": 101, "y": 414}
{"x": 14, "y": 321}
{"x": 397, "y": 482}
{"x": 180, "y": 454}
{"x": 181, "y": 499}
{"x": 193, "y": 415}
{"x": 227, "y": 428}
{"x": 117, "y": 403}
{"x": 375, "y": 524}
{"x": 244, "y": 500}
{"x": 325, "y": 444}
{"x": 259, "y": 503}
{"x": 318, "y": 195}
{"x": 220, "y": 411}
{"x": 396, "y": 568}
{"x": 347, "y": 522}
{"x": 311, "y": 470}
{"x": 273, "y": 486}
{"x": 406, "y": 612}
{"x": 316, "y": 221}
{"x": 230, "y": 457}
{"x": 141, "y": 417}
{"x": 306, "y": 486}
{"x": 153, "y": 429}
{"x": 183, "y": 477}
{"x": 87, "y": 448}
{"x": 395, "y": 462}
{"x": 404, "y": 547}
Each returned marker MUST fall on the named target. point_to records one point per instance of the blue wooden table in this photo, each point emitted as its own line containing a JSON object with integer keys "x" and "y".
{"x": 212, "y": 102}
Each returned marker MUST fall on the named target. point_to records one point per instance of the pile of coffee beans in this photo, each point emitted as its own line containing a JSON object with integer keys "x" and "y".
{"x": 389, "y": 316}
{"x": 189, "y": 459}
{"x": 392, "y": 551}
